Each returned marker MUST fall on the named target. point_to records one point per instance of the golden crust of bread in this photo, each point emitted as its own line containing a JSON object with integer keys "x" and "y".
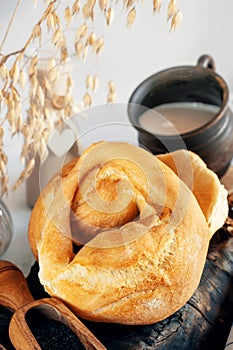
{"x": 204, "y": 183}
{"x": 146, "y": 259}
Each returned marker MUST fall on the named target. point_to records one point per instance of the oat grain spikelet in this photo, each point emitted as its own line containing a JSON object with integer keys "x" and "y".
{"x": 16, "y": 73}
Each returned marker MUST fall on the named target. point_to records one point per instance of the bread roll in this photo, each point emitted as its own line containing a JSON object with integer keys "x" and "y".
{"x": 143, "y": 237}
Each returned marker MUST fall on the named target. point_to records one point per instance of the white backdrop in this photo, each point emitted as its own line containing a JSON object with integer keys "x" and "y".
{"x": 130, "y": 55}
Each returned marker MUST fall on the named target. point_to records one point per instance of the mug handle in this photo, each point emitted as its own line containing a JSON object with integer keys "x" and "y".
{"x": 206, "y": 61}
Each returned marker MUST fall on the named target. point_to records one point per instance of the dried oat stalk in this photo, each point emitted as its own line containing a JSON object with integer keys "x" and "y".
{"x": 111, "y": 97}
{"x": 157, "y": 5}
{"x": 174, "y": 15}
{"x": 46, "y": 109}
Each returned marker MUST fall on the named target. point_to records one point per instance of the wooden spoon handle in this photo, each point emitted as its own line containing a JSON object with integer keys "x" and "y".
{"x": 14, "y": 291}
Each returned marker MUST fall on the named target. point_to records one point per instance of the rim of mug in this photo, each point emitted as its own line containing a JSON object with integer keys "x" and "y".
{"x": 223, "y": 107}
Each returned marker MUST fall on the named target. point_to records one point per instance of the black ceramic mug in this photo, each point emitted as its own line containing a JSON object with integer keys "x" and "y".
{"x": 213, "y": 141}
